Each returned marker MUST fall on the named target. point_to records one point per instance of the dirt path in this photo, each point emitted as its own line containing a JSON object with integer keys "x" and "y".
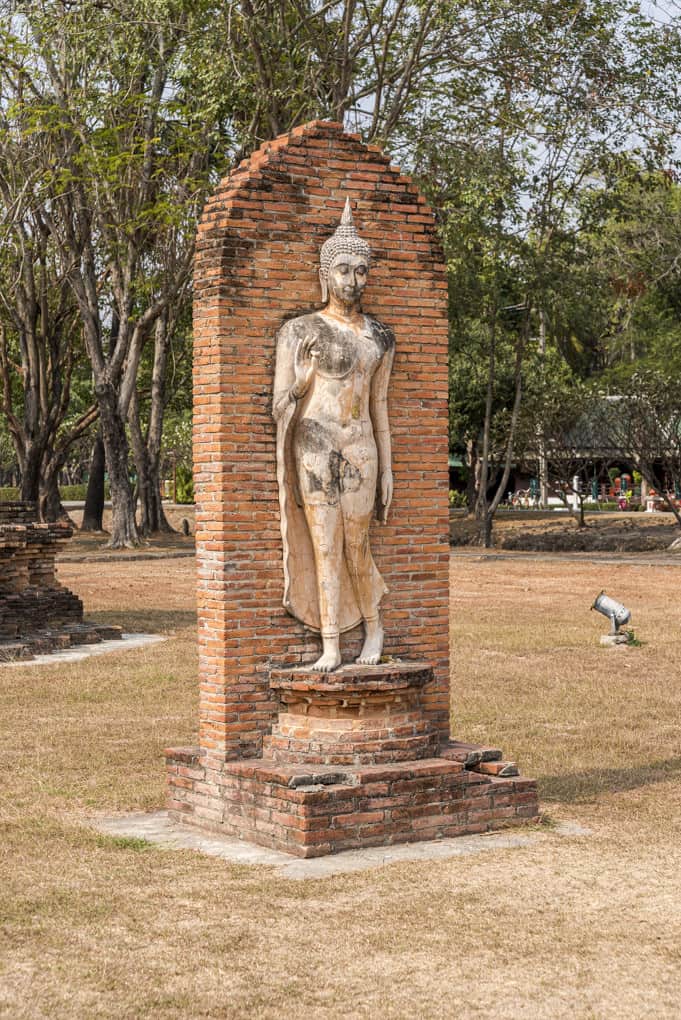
{"x": 558, "y": 532}
{"x": 477, "y": 555}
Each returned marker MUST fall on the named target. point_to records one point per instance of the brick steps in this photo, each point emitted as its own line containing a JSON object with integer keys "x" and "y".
{"x": 312, "y": 811}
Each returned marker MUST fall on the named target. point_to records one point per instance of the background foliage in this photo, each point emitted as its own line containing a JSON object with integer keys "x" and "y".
{"x": 545, "y": 137}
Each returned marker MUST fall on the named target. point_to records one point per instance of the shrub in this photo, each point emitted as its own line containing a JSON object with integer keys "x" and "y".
{"x": 72, "y": 493}
{"x": 75, "y": 493}
{"x": 184, "y": 489}
{"x": 69, "y": 493}
{"x": 457, "y": 500}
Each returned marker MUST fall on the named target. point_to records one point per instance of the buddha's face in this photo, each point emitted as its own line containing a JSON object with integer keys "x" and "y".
{"x": 347, "y": 278}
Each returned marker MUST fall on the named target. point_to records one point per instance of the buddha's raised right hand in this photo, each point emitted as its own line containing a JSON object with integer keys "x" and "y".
{"x": 305, "y": 365}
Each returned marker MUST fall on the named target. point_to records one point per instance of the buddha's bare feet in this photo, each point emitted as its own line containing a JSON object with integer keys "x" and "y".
{"x": 330, "y": 658}
{"x": 373, "y": 644}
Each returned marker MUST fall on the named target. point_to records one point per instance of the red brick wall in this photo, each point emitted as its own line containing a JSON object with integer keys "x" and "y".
{"x": 256, "y": 264}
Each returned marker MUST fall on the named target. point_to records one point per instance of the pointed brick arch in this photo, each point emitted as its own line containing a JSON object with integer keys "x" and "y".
{"x": 256, "y": 265}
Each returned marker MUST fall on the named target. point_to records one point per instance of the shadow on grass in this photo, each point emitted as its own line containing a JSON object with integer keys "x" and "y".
{"x": 581, "y": 786}
{"x": 147, "y": 621}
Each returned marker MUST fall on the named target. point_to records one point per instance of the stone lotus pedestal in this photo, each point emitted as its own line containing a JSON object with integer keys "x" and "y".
{"x": 358, "y": 715}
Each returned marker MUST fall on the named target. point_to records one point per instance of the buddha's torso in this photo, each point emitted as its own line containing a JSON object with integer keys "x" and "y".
{"x": 347, "y": 358}
{"x": 331, "y": 435}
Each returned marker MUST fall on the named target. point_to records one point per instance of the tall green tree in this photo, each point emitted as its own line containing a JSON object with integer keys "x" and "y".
{"x": 636, "y": 253}
{"x": 127, "y": 112}
{"x": 116, "y": 107}
{"x": 551, "y": 94}
{"x": 40, "y": 343}
{"x": 363, "y": 63}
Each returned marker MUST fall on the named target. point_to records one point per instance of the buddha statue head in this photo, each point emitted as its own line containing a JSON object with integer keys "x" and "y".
{"x": 345, "y": 244}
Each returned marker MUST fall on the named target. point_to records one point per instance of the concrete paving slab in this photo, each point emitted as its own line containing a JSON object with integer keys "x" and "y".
{"x": 158, "y": 829}
{"x": 126, "y": 643}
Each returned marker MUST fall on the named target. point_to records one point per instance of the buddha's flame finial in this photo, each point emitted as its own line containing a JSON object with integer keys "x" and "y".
{"x": 346, "y": 219}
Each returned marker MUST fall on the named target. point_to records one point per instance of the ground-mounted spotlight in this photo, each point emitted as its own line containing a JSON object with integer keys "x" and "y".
{"x": 618, "y": 616}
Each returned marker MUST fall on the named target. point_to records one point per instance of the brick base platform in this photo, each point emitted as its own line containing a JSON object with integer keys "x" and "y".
{"x": 321, "y": 810}
{"x": 351, "y": 762}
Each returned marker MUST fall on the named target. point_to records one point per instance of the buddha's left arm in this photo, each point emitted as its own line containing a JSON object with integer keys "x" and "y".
{"x": 381, "y": 424}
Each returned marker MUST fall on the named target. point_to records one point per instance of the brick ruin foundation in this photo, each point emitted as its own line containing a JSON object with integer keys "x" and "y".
{"x": 38, "y": 615}
{"x": 300, "y": 761}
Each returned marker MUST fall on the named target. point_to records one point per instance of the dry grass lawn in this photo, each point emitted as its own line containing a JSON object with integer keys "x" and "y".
{"x": 92, "y": 926}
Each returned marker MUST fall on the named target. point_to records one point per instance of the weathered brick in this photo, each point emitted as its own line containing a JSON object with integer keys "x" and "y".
{"x": 261, "y": 210}
{"x": 256, "y": 264}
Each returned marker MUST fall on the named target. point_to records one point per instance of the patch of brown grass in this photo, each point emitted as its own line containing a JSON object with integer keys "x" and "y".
{"x": 92, "y": 926}
{"x": 571, "y": 710}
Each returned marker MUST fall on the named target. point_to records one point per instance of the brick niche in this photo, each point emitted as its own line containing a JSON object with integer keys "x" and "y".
{"x": 257, "y": 265}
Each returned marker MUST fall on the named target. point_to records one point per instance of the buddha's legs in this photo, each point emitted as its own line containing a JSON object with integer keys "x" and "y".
{"x": 326, "y": 531}
{"x": 357, "y": 510}
{"x": 338, "y": 487}
{"x": 361, "y": 568}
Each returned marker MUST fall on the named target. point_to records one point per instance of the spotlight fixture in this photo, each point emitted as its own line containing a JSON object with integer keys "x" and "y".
{"x": 618, "y": 616}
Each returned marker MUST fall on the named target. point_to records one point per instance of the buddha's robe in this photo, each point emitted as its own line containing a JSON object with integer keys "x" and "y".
{"x": 326, "y": 450}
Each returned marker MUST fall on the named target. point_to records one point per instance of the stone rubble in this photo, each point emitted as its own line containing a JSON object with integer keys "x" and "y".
{"x": 38, "y": 615}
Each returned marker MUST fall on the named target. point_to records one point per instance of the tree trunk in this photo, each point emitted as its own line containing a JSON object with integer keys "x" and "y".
{"x": 123, "y": 528}
{"x": 542, "y": 465}
{"x": 152, "y": 518}
{"x": 486, "y": 525}
{"x": 155, "y": 511}
{"x": 485, "y": 510}
{"x": 50, "y": 507}
{"x": 141, "y": 458}
{"x": 30, "y": 472}
{"x": 93, "y": 512}
{"x": 473, "y": 465}
{"x": 543, "y": 472}
{"x": 147, "y": 452}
